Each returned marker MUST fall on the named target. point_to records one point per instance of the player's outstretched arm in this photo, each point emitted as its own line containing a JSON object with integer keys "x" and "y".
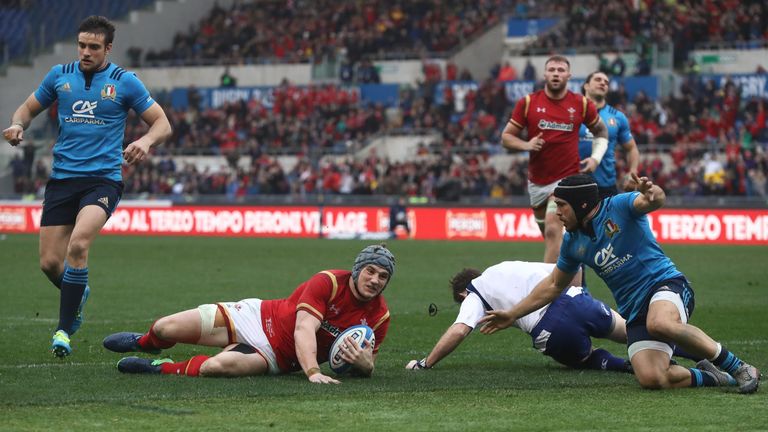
{"x": 21, "y": 119}
{"x": 545, "y": 291}
{"x": 305, "y": 335}
{"x": 452, "y": 338}
{"x": 159, "y": 131}
{"x": 651, "y": 197}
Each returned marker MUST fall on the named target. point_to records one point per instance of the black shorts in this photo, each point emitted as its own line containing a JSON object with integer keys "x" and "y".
{"x": 64, "y": 198}
{"x": 637, "y": 332}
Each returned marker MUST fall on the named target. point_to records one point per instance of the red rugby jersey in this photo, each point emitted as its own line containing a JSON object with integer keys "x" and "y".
{"x": 328, "y": 297}
{"x": 559, "y": 121}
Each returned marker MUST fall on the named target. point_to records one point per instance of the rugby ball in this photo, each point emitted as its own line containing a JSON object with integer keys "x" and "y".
{"x": 359, "y": 333}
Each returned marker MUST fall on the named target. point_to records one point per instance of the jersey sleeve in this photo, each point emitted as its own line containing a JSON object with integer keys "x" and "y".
{"x": 137, "y": 97}
{"x": 46, "y": 93}
{"x": 471, "y": 311}
{"x": 380, "y": 331}
{"x": 565, "y": 262}
{"x": 520, "y": 113}
{"x": 625, "y": 134}
{"x": 591, "y": 116}
{"x": 315, "y": 297}
{"x": 625, "y": 203}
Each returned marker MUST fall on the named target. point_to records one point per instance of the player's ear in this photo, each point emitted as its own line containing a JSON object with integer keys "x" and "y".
{"x": 108, "y": 48}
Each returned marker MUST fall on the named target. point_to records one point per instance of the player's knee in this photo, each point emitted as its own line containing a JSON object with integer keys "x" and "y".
{"x": 50, "y": 266}
{"x": 660, "y": 329}
{"x": 553, "y": 231}
{"x": 651, "y": 380}
{"x": 77, "y": 250}
{"x": 212, "y": 367}
{"x": 220, "y": 367}
{"x": 165, "y": 328}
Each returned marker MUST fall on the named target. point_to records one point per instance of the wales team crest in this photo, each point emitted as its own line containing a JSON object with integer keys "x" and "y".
{"x": 108, "y": 92}
{"x": 611, "y": 228}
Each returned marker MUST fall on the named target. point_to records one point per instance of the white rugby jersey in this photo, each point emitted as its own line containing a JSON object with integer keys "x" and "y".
{"x": 502, "y": 286}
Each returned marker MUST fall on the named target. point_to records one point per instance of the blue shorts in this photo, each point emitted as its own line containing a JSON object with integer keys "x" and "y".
{"x": 565, "y": 329}
{"x": 64, "y": 198}
{"x": 637, "y": 330}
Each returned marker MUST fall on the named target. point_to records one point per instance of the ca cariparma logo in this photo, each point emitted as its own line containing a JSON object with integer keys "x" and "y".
{"x": 108, "y": 92}
{"x": 84, "y": 109}
{"x": 605, "y": 257}
{"x": 607, "y": 261}
{"x": 611, "y": 228}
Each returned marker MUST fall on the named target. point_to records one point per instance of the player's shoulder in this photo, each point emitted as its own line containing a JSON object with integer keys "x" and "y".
{"x": 65, "y": 68}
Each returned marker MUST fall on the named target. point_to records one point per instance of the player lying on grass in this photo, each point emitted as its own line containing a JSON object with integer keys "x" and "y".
{"x": 561, "y": 330}
{"x": 262, "y": 337}
{"x": 613, "y": 237}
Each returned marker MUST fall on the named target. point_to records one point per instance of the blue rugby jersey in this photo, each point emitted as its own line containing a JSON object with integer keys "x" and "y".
{"x": 91, "y": 118}
{"x": 623, "y": 253}
{"x": 618, "y": 132}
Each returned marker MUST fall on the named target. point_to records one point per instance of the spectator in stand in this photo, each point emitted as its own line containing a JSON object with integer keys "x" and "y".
{"x": 226, "y": 79}
{"x": 618, "y": 66}
{"x": 507, "y": 73}
{"x": 529, "y": 73}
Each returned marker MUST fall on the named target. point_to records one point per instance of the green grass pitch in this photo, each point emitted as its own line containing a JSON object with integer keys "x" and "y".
{"x": 490, "y": 383}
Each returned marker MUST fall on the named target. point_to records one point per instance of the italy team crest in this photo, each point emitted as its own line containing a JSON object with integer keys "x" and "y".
{"x": 611, "y": 228}
{"x": 108, "y": 92}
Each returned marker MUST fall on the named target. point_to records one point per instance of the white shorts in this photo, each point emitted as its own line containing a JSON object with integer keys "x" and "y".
{"x": 244, "y": 326}
{"x": 540, "y": 193}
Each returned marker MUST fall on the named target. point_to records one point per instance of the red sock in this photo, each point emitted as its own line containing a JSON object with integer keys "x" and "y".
{"x": 151, "y": 341}
{"x": 190, "y": 367}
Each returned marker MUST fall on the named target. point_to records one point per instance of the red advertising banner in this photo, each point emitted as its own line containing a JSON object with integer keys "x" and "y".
{"x": 491, "y": 224}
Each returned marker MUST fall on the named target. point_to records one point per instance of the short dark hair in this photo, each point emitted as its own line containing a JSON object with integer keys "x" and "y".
{"x": 557, "y": 58}
{"x": 98, "y": 25}
{"x": 589, "y": 77}
{"x": 460, "y": 281}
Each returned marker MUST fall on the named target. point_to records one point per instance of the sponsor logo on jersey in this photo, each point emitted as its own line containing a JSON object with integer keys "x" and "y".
{"x": 105, "y": 201}
{"x": 65, "y": 87}
{"x": 541, "y": 109}
{"x": 611, "y": 121}
{"x": 332, "y": 329}
{"x": 84, "y": 109}
{"x": 611, "y": 228}
{"x": 83, "y": 112}
{"x": 551, "y": 125}
{"x": 466, "y": 224}
{"x": 607, "y": 261}
{"x": 108, "y": 92}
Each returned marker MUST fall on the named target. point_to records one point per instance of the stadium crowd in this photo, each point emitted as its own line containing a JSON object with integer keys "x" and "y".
{"x": 702, "y": 140}
{"x": 741, "y": 24}
{"x": 276, "y": 31}
{"x": 306, "y": 31}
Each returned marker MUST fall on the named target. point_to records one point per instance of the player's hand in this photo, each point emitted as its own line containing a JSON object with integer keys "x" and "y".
{"x": 588, "y": 165}
{"x": 496, "y": 320}
{"x": 136, "y": 152}
{"x": 360, "y": 358}
{"x": 535, "y": 143}
{"x": 417, "y": 364}
{"x": 320, "y": 378}
{"x": 14, "y": 134}
{"x": 629, "y": 183}
{"x": 645, "y": 187}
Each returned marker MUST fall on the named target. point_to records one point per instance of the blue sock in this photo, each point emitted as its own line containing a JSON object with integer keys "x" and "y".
{"x": 72, "y": 287}
{"x": 727, "y": 361}
{"x": 700, "y": 378}
{"x": 601, "y": 359}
